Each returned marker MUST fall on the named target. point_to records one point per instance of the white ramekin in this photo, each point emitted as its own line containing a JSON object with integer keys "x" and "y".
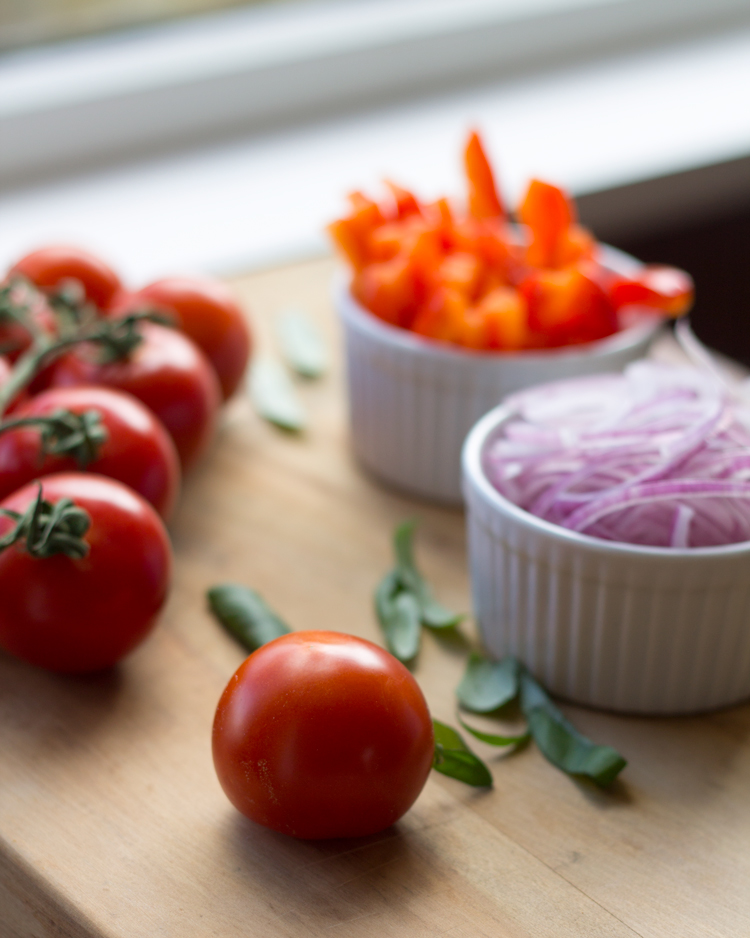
{"x": 412, "y": 400}
{"x": 634, "y": 629}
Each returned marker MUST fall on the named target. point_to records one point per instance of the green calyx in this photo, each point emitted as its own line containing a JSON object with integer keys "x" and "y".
{"x": 46, "y": 529}
{"x": 64, "y": 433}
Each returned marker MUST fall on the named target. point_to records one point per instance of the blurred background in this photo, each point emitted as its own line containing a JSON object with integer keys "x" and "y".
{"x": 28, "y": 22}
{"x": 219, "y": 135}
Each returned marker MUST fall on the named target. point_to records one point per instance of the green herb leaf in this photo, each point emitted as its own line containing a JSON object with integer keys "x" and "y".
{"x": 246, "y": 615}
{"x": 432, "y": 613}
{"x": 561, "y": 743}
{"x": 274, "y": 397}
{"x": 493, "y": 739}
{"x": 454, "y": 758}
{"x": 398, "y": 614}
{"x": 301, "y": 344}
{"x": 486, "y": 684}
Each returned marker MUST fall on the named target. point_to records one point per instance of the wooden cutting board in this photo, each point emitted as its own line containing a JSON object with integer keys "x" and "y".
{"x": 112, "y": 822}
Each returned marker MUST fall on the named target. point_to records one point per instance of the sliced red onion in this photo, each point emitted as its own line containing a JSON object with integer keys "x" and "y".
{"x": 658, "y": 456}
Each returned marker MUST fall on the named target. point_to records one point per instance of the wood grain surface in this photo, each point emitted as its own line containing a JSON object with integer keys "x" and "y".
{"x": 112, "y": 822}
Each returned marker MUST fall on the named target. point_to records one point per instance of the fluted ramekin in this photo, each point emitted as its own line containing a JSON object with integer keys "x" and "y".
{"x": 412, "y": 400}
{"x": 618, "y": 626}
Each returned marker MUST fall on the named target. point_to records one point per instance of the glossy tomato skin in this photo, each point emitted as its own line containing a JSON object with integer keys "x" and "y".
{"x": 167, "y": 373}
{"x": 320, "y": 735}
{"x": 49, "y": 266}
{"x": 207, "y": 311}
{"x": 138, "y": 451}
{"x": 78, "y": 616}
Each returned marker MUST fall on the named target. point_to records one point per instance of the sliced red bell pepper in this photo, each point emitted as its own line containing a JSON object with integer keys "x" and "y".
{"x": 484, "y": 201}
{"x": 352, "y": 234}
{"x": 668, "y": 289}
{"x": 548, "y": 213}
{"x": 442, "y": 316}
{"x": 406, "y": 202}
{"x": 567, "y": 308}
{"x": 388, "y": 290}
{"x": 506, "y": 319}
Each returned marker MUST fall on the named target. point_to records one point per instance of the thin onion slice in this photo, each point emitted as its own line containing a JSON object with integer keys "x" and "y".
{"x": 658, "y": 456}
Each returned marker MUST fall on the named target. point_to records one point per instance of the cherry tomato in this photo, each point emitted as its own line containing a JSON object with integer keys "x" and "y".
{"x": 138, "y": 450}
{"x": 75, "y": 616}
{"x": 49, "y": 267}
{"x": 166, "y": 372}
{"x": 14, "y": 338}
{"x": 320, "y": 734}
{"x": 206, "y": 311}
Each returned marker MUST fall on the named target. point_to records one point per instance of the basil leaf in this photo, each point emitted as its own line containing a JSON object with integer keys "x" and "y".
{"x": 301, "y": 344}
{"x": 454, "y": 758}
{"x": 488, "y": 685}
{"x": 493, "y": 739}
{"x": 561, "y": 743}
{"x": 398, "y": 613}
{"x": 432, "y": 613}
{"x": 385, "y": 593}
{"x": 245, "y": 615}
{"x": 274, "y": 397}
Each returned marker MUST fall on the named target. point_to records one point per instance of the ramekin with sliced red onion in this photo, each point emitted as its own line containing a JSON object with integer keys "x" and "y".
{"x": 609, "y": 538}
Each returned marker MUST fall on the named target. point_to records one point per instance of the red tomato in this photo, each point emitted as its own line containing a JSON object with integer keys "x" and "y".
{"x": 4, "y": 370}
{"x": 14, "y": 338}
{"x": 138, "y": 451}
{"x": 320, "y": 734}
{"x": 168, "y": 373}
{"x": 49, "y": 266}
{"x": 207, "y": 311}
{"x": 76, "y": 616}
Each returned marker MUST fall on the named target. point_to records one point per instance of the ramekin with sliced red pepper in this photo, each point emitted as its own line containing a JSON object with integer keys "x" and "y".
{"x": 473, "y": 278}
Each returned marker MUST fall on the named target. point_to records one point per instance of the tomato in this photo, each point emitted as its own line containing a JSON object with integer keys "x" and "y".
{"x": 4, "y": 370}
{"x": 166, "y": 372}
{"x": 76, "y": 616}
{"x": 49, "y": 267}
{"x": 320, "y": 734}
{"x": 138, "y": 450}
{"x": 207, "y": 311}
{"x": 15, "y": 338}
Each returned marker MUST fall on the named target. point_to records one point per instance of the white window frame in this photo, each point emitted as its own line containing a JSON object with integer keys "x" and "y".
{"x": 68, "y": 107}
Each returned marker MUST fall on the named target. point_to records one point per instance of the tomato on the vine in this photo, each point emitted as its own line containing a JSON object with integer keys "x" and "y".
{"x": 320, "y": 735}
{"x": 49, "y": 267}
{"x": 15, "y": 338}
{"x": 207, "y": 311}
{"x": 167, "y": 372}
{"x": 137, "y": 451}
{"x": 76, "y": 614}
